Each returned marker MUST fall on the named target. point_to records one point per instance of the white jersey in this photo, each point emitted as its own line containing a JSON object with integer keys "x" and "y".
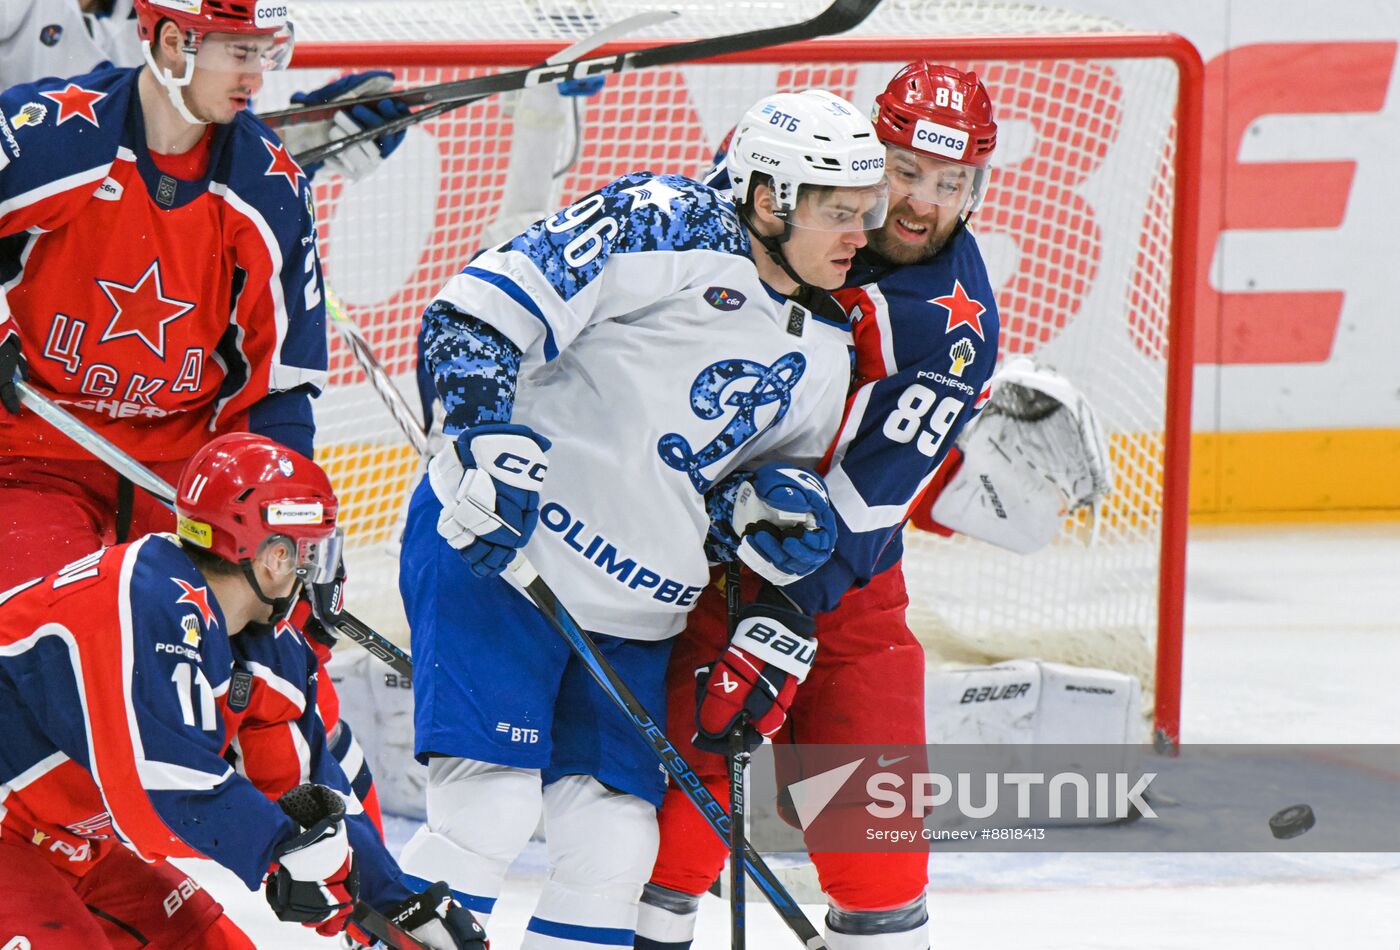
{"x": 41, "y": 38}
{"x": 657, "y": 363}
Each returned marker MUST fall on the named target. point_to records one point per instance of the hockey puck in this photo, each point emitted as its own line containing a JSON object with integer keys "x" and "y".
{"x": 1292, "y": 821}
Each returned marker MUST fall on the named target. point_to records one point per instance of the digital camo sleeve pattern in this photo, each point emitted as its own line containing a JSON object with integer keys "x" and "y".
{"x": 721, "y": 543}
{"x": 474, "y": 367}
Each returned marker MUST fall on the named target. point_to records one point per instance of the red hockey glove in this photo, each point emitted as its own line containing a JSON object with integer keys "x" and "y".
{"x": 313, "y": 880}
{"x": 771, "y": 653}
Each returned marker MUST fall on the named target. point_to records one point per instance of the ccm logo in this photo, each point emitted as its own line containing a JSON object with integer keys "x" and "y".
{"x": 862, "y": 164}
{"x": 578, "y": 69}
{"x": 519, "y": 465}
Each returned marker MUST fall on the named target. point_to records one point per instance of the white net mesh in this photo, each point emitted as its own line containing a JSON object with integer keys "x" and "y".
{"x": 418, "y": 21}
{"x": 1076, "y": 229}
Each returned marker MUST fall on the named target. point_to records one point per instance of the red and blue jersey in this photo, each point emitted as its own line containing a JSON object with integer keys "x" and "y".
{"x": 926, "y": 345}
{"x": 131, "y": 717}
{"x": 161, "y": 310}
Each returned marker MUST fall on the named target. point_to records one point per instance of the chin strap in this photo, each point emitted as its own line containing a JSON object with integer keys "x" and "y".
{"x": 773, "y": 245}
{"x": 281, "y": 606}
{"x": 819, "y": 302}
{"x": 174, "y": 85}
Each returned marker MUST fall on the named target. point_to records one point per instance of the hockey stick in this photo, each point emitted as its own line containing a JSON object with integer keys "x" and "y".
{"x": 139, "y": 475}
{"x": 605, "y": 35}
{"x": 738, "y": 760}
{"x": 655, "y": 735}
{"x": 359, "y": 347}
{"x": 622, "y": 696}
{"x": 738, "y": 763}
{"x": 841, "y": 16}
{"x": 418, "y": 430}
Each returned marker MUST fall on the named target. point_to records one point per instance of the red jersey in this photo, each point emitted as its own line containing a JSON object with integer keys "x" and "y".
{"x": 131, "y": 717}
{"x": 161, "y": 310}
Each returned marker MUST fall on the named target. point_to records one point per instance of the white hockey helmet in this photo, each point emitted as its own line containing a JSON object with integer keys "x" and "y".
{"x": 809, "y": 138}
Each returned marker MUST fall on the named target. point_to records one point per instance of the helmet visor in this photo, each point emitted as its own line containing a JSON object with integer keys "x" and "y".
{"x": 318, "y": 559}
{"x": 838, "y": 208}
{"x": 245, "y": 52}
{"x": 932, "y": 180}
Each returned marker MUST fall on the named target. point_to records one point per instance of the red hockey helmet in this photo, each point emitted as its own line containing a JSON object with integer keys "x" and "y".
{"x": 242, "y": 489}
{"x": 211, "y": 16}
{"x": 939, "y": 111}
{"x": 238, "y": 20}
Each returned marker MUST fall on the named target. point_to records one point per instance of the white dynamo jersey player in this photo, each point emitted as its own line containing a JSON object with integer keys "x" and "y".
{"x": 630, "y": 386}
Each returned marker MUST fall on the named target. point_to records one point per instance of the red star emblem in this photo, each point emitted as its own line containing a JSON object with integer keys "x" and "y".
{"x": 283, "y": 164}
{"x": 142, "y": 309}
{"x": 197, "y": 597}
{"x": 962, "y": 309}
{"x": 75, "y": 102}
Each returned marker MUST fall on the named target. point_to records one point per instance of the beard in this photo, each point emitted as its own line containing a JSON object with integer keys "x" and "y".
{"x": 896, "y": 251}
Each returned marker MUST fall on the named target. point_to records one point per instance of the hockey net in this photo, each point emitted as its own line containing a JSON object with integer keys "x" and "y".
{"x": 1081, "y": 228}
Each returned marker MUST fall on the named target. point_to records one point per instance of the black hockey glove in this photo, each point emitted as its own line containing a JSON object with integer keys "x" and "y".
{"x": 12, "y": 364}
{"x": 318, "y": 611}
{"x": 435, "y": 919}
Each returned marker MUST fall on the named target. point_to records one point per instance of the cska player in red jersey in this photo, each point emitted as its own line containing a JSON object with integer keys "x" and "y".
{"x": 159, "y": 273}
{"x": 158, "y": 251}
{"x": 926, "y": 332}
{"x": 126, "y": 677}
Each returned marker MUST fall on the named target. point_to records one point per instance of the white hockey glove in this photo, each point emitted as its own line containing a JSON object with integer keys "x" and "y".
{"x": 783, "y": 519}
{"x": 357, "y": 161}
{"x": 488, "y": 482}
{"x": 313, "y": 879}
{"x": 1036, "y": 453}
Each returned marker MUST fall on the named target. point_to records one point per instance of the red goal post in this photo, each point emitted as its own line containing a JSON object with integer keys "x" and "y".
{"x": 1094, "y": 256}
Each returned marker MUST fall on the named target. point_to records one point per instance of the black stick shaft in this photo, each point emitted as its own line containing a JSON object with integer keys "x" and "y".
{"x": 840, "y": 16}
{"x": 738, "y": 759}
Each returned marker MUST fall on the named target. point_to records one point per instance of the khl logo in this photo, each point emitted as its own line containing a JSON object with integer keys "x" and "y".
{"x": 717, "y": 387}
